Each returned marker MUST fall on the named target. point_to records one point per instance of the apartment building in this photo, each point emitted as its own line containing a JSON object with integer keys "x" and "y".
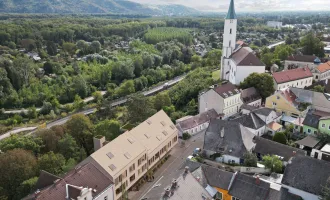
{"x": 299, "y": 78}
{"x": 127, "y": 158}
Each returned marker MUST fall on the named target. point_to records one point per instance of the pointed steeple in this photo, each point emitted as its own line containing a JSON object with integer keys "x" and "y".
{"x": 231, "y": 11}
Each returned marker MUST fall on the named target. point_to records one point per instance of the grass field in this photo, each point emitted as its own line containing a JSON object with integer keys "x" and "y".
{"x": 216, "y": 75}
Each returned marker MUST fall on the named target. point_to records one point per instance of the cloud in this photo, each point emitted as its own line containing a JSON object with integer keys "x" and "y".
{"x": 247, "y": 5}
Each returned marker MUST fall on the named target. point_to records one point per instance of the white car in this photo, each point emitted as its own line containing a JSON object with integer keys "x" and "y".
{"x": 190, "y": 157}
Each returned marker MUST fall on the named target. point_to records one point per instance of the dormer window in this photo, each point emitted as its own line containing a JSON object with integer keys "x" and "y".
{"x": 230, "y": 31}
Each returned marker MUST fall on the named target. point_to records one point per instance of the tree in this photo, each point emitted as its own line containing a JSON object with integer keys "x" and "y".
{"x": 108, "y": 128}
{"x": 81, "y": 129}
{"x": 69, "y": 48}
{"x": 82, "y": 46}
{"x": 52, "y": 163}
{"x": 250, "y": 159}
{"x": 139, "y": 108}
{"x": 162, "y": 99}
{"x": 318, "y": 88}
{"x": 51, "y": 48}
{"x": 23, "y": 70}
{"x": 26, "y": 187}
{"x": 16, "y": 166}
{"x": 273, "y": 163}
{"x": 28, "y": 143}
{"x": 80, "y": 86}
{"x": 262, "y": 82}
{"x": 46, "y": 108}
{"x": 98, "y": 97}
{"x": 67, "y": 146}
{"x": 312, "y": 45}
{"x": 267, "y": 59}
{"x": 95, "y": 46}
{"x": 213, "y": 57}
{"x": 32, "y": 113}
{"x": 78, "y": 103}
{"x": 49, "y": 138}
{"x": 125, "y": 88}
{"x": 280, "y": 137}
{"x": 123, "y": 70}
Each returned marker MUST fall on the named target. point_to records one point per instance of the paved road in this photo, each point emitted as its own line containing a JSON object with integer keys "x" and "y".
{"x": 276, "y": 44}
{"x": 3, "y": 136}
{"x": 169, "y": 170}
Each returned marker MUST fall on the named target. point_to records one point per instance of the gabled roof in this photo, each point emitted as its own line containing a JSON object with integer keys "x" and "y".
{"x": 312, "y": 120}
{"x": 45, "y": 179}
{"x": 231, "y": 11}
{"x": 323, "y": 67}
{"x": 245, "y": 57}
{"x": 248, "y": 107}
{"x": 249, "y": 95}
{"x": 249, "y": 188}
{"x": 226, "y": 90}
{"x": 264, "y": 111}
{"x": 282, "y": 194}
{"x": 302, "y": 58}
{"x": 292, "y": 75}
{"x": 236, "y": 139}
{"x": 307, "y": 174}
{"x": 87, "y": 176}
{"x": 197, "y": 120}
{"x": 217, "y": 177}
{"x": 250, "y": 120}
{"x": 265, "y": 147}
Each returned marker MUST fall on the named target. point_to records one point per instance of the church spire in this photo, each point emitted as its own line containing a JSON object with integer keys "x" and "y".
{"x": 231, "y": 11}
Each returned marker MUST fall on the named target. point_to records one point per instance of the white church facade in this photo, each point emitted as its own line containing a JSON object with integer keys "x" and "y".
{"x": 238, "y": 61}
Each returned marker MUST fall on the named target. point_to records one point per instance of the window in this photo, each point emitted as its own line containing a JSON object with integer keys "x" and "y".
{"x": 234, "y": 198}
{"x": 230, "y": 31}
{"x": 218, "y": 195}
{"x": 277, "y": 97}
{"x": 315, "y": 132}
{"x": 274, "y": 104}
{"x": 329, "y": 127}
{"x": 132, "y": 178}
{"x": 309, "y": 130}
{"x": 132, "y": 168}
{"x": 323, "y": 125}
{"x": 229, "y": 42}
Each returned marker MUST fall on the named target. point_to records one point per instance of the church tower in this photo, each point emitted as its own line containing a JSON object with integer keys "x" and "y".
{"x": 229, "y": 38}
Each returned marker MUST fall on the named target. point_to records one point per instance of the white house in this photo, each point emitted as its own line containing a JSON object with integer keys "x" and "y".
{"x": 315, "y": 148}
{"x": 298, "y": 78}
{"x": 274, "y": 24}
{"x": 237, "y": 61}
{"x": 322, "y": 72}
{"x": 250, "y": 96}
{"x": 224, "y": 99}
{"x": 195, "y": 124}
{"x": 299, "y": 61}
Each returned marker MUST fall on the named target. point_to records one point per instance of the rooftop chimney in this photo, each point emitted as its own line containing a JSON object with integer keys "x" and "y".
{"x": 98, "y": 142}
{"x": 174, "y": 183}
{"x": 186, "y": 169}
{"x": 168, "y": 192}
{"x": 257, "y": 180}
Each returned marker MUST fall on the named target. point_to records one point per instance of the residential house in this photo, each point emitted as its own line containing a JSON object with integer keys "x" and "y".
{"x": 299, "y": 78}
{"x": 311, "y": 124}
{"x": 224, "y": 99}
{"x": 127, "y": 158}
{"x": 268, "y": 147}
{"x": 250, "y": 96}
{"x": 300, "y": 61}
{"x": 306, "y": 176}
{"x": 285, "y": 101}
{"x": 275, "y": 24}
{"x": 83, "y": 183}
{"x": 317, "y": 100}
{"x": 297, "y": 123}
{"x": 195, "y": 124}
{"x": 324, "y": 83}
{"x": 315, "y": 147}
{"x": 324, "y": 125}
{"x": 271, "y": 119}
{"x": 246, "y": 109}
{"x": 227, "y": 141}
{"x": 253, "y": 123}
{"x": 322, "y": 72}
{"x": 214, "y": 180}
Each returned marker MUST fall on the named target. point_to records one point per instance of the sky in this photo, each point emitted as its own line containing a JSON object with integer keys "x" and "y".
{"x": 247, "y": 5}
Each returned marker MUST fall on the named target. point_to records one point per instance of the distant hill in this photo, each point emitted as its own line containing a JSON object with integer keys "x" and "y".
{"x": 90, "y": 6}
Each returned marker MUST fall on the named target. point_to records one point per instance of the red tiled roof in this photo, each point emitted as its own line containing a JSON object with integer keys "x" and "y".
{"x": 302, "y": 58}
{"x": 292, "y": 75}
{"x": 223, "y": 90}
{"x": 324, "y": 67}
{"x": 289, "y": 96}
{"x": 245, "y": 57}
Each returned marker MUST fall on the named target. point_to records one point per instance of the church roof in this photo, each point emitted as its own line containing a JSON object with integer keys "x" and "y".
{"x": 231, "y": 11}
{"x": 245, "y": 57}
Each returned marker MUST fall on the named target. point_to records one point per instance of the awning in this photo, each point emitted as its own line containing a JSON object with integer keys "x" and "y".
{"x": 274, "y": 126}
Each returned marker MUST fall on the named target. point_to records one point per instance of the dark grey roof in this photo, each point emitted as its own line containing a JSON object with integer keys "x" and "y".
{"x": 302, "y": 58}
{"x": 307, "y": 174}
{"x": 216, "y": 177}
{"x": 245, "y": 57}
{"x": 248, "y": 107}
{"x": 236, "y": 139}
{"x": 226, "y": 90}
{"x": 197, "y": 120}
{"x": 308, "y": 141}
{"x": 251, "y": 120}
{"x": 45, "y": 179}
{"x": 191, "y": 164}
{"x": 248, "y": 188}
{"x": 249, "y": 95}
{"x": 282, "y": 194}
{"x": 312, "y": 120}
{"x": 265, "y": 147}
{"x": 263, "y": 111}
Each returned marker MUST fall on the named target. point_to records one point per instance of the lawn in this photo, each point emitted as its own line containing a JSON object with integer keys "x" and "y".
{"x": 216, "y": 75}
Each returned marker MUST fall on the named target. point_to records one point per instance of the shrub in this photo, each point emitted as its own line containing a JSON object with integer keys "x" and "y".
{"x": 186, "y": 136}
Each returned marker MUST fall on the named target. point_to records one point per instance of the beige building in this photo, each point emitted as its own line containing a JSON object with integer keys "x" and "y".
{"x": 128, "y": 157}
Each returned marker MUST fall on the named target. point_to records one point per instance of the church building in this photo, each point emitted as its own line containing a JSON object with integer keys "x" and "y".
{"x": 238, "y": 61}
